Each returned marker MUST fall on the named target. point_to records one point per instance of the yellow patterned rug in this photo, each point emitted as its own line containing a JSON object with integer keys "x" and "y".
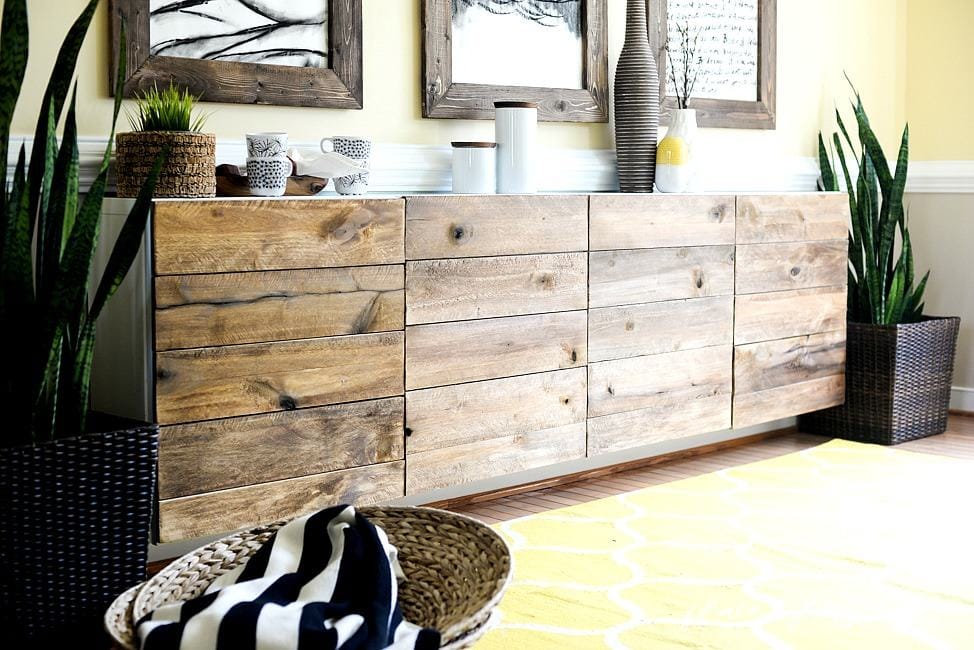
{"x": 840, "y": 546}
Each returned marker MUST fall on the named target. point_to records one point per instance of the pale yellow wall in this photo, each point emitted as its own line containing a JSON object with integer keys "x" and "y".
{"x": 940, "y": 79}
{"x": 816, "y": 42}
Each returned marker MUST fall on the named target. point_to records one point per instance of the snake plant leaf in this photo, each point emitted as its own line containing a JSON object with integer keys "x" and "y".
{"x": 845, "y": 132}
{"x": 906, "y": 254}
{"x": 119, "y": 83}
{"x": 14, "y": 43}
{"x": 128, "y": 242}
{"x": 50, "y": 152}
{"x": 895, "y": 301}
{"x": 71, "y": 283}
{"x": 63, "y": 202}
{"x": 56, "y": 93}
{"x": 16, "y": 267}
{"x": 829, "y": 182}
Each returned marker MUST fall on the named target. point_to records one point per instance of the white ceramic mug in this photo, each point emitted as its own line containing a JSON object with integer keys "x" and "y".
{"x": 266, "y": 145}
{"x": 474, "y": 168}
{"x": 353, "y": 183}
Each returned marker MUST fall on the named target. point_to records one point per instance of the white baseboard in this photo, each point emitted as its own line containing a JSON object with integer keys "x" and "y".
{"x": 962, "y": 399}
{"x": 405, "y": 168}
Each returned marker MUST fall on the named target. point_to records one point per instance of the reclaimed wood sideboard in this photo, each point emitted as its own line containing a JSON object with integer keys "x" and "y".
{"x": 306, "y": 352}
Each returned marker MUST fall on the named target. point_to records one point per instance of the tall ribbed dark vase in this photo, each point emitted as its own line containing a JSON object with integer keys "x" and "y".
{"x": 637, "y": 97}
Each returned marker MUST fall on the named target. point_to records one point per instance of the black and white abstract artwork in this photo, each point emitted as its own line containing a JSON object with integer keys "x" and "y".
{"x": 727, "y": 46}
{"x": 275, "y": 32}
{"x": 518, "y": 43}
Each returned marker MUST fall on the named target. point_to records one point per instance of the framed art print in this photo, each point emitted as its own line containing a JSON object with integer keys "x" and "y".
{"x": 285, "y": 52}
{"x": 552, "y": 52}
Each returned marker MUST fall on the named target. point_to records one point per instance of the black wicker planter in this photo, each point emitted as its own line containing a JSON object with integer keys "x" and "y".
{"x": 74, "y": 532}
{"x": 898, "y": 380}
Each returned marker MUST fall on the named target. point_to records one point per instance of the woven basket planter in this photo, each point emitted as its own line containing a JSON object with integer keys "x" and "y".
{"x": 74, "y": 533}
{"x": 456, "y": 568}
{"x": 189, "y": 172}
{"x": 898, "y": 380}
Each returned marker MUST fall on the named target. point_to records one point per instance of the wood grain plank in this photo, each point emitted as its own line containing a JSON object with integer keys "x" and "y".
{"x": 785, "y": 314}
{"x": 620, "y": 221}
{"x": 654, "y": 328}
{"x": 437, "y": 418}
{"x": 770, "y": 364}
{"x": 221, "y": 454}
{"x": 660, "y": 381}
{"x": 789, "y": 400}
{"x": 452, "y": 353}
{"x": 227, "y": 510}
{"x": 221, "y": 382}
{"x": 263, "y": 235}
{"x": 653, "y": 275}
{"x": 194, "y": 311}
{"x": 787, "y": 266}
{"x": 792, "y": 217}
{"x": 481, "y": 226}
{"x": 490, "y": 287}
{"x": 492, "y": 457}
{"x": 648, "y": 426}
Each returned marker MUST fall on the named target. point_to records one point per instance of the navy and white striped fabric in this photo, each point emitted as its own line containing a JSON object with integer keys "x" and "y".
{"x": 327, "y": 580}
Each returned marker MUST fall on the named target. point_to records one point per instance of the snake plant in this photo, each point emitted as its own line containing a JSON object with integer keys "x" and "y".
{"x": 881, "y": 270}
{"x": 47, "y": 242}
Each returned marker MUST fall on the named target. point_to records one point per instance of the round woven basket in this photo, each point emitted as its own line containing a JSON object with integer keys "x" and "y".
{"x": 456, "y": 568}
{"x": 189, "y": 172}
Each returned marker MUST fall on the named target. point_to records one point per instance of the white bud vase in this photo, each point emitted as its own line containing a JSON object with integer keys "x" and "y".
{"x": 674, "y": 156}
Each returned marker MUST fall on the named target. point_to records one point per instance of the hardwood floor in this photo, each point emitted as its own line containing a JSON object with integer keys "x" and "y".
{"x": 958, "y": 442}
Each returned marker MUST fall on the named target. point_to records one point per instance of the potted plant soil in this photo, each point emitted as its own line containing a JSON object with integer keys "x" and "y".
{"x": 164, "y": 118}
{"x": 76, "y": 492}
{"x": 899, "y": 362}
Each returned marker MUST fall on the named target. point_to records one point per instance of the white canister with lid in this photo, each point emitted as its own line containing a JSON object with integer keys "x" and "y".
{"x": 474, "y": 168}
{"x": 516, "y": 128}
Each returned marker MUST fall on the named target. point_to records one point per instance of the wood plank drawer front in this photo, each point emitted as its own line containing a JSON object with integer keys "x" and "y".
{"x": 648, "y": 426}
{"x": 660, "y": 381}
{"x": 772, "y": 364}
{"x": 792, "y": 217}
{"x": 452, "y": 416}
{"x": 660, "y": 221}
{"x": 452, "y": 353}
{"x": 658, "y": 327}
{"x": 490, "y": 287}
{"x": 194, "y": 311}
{"x": 782, "y": 267}
{"x": 653, "y": 275}
{"x": 785, "y": 314}
{"x": 492, "y": 457}
{"x": 227, "y": 510}
{"x": 480, "y": 226}
{"x": 221, "y": 454}
{"x": 212, "y": 383}
{"x": 222, "y": 236}
{"x": 787, "y": 401}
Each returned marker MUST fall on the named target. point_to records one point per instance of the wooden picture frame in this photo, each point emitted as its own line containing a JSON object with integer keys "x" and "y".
{"x": 443, "y": 98}
{"x": 725, "y": 113}
{"x": 337, "y": 86}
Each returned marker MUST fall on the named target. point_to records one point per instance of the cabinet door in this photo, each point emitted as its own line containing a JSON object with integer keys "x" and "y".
{"x": 227, "y": 236}
{"x": 790, "y": 307}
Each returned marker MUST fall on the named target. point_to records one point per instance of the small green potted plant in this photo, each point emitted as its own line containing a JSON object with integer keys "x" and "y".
{"x": 76, "y": 494}
{"x": 164, "y": 118}
{"x": 899, "y": 362}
